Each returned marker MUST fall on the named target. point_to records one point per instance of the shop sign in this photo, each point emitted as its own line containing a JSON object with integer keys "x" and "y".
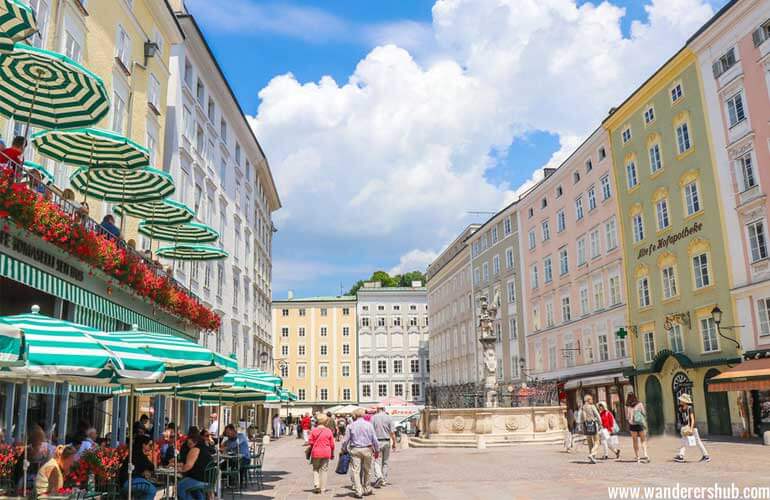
{"x": 18, "y": 245}
{"x": 669, "y": 240}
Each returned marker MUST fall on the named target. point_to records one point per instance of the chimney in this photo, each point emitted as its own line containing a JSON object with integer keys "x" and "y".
{"x": 290, "y": 294}
{"x": 416, "y": 284}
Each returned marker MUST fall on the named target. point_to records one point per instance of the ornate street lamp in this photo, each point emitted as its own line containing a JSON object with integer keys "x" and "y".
{"x": 263, "y": 358}
{"x": 716, "y": 315}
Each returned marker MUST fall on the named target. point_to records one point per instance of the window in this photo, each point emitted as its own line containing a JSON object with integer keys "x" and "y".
{"x": 675, "y": 338}
{"x": 414, "y": 366}
{"x": 300, "y": 371}
{"x": 544, "y": 203}
{"x": 549, "y": 315}
{"x": 324, "y": 331}
{"x": 614, "y": 290}
{"x": 366, "y": 367}
{"x": 223, "y": 130}
{"x": 531, "y": 239}
{"x": 382, "y": 390}
{"x": 530, "y": 212}
{"x": 72, "y": 48}
{"x": 643, "y": 290}
{"x": 683, "y": 138}
{"x": 346, "y": 331}
{"x": 200, "y": 92}
{"x": 763, "y": 306}
{"x": 382, "y": 366}
{"x": 638, "y": 228}
{"x": 398, "y": 366}
{"x": 691, "y": 197}
{"x": 746, "y": 175}
{"x": 612, "y": 234}
{"x": 594, "y": 239}
{"x": 301, "y": 394}
{"x": 575, "y": 177}
{"x": 561, "y": 221}
{"x": 648, "y": 338}
{"x": 346, "y": 349}
{"x": 649, "y": 115}
{"x": 676, "y": 93}
{"x": 563, "y": 261}
{"x": 397, "y": 321}
{"x": 655, "y": 161}
{"x": 284, "y": 370}
{"x": 546, "y": 230}
{"x": 476, "y": 276}
{"x": 631, "y": 179}
{"x": 579, "y": 208}
{"x": 493, "y": 233}
{"x": 345, "y": 370}
{"x": 415, "y": 391}
{"x": 604, "y": 348}
{"x": 591, "y": 198}
{"x": 324, "y": 311}
{"x": 701, "y": 270}
{"x": 724, "y": 63}
{"x": 381, "y": 321}
{"x": 661, "y": 210}
{"x": 708, "y": 332}
{"x": 566, "y": 312}
{"x": 598, "y": 295}
{"x": 620, "y": 347}
{"x": 496, "y": 265}
{"x": 668, "y": 277}
{"x": 735, "y": 111}
{"x": 589, "y": 165}
{"x": 509, "y": 258}
{"x": 559, "y": 191}
{"x": 606, "y": 189}
{"x": 324, "y": 350}
{"x": 346, "y": 311}
{"x": 211, "y": 110}
{"x": 534, "y": 277}
{"x": 757, "y": 240}
{"x": 626, "y": 135}
{"x": 118, "y": 112}
{"x": 511, "y": 287}
{"x": 123, "y": 48}
{"x": 581, "y": 251}
{"x": 153, "y": 92}
{"x": 284, "y": 350}
{"x": 188, "y": 73}
{"x": 324, "y": 394}
{"x": 346, "y": 394}
{"x": 602, "y": 153}
{"x": 547, "y": 270}
{"x": 398, "y": 390}
{"x": 366, "y": 390}
{"x": 365, "y": 322}
{"x": 285, "y": 332}
{"x": 301, "y": 350}
{"x": 507, "y": 229}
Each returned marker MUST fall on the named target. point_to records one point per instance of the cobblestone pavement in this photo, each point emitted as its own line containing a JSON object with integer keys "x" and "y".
{"x": 523, "y": 472}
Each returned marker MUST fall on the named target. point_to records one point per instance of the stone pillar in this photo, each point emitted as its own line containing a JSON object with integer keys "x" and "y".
{"x": 10, "y": 403}
{"x": 62, "y": 412}
{"x": 21, "y": 424}
{"x": 50, "y": 401}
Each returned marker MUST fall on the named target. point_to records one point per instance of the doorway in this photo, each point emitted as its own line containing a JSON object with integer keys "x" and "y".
{"x": 717, "y": 408}
{"x": 654, "y": 405}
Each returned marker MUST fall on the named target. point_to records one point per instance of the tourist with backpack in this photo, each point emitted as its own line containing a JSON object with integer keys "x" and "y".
{"x": 637, "y": 419}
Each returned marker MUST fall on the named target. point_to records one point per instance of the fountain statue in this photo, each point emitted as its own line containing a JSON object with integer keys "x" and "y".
{"x": 488, "y": 339}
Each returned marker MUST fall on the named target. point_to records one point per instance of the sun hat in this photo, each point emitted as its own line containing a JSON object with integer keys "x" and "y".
{"x": 685, "y": 398}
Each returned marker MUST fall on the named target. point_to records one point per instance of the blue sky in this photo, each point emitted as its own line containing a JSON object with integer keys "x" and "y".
{"x": 318, "y": 249}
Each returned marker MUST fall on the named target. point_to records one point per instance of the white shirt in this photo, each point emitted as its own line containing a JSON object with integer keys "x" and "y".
{"x": 214, "y": 428}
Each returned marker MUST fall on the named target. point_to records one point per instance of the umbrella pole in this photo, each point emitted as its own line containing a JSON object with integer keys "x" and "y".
{"x": 130, "y": 440}
{"x": 25, "y": 465}
{"x": 176, "y": 418}
{"x": 123, "y": 207}
{"x": 219, "y": 445}
{"x": 31, "y": 110}
{"x": 88, "y": 178}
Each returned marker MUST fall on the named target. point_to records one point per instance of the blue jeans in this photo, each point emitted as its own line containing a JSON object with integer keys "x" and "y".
{"x": 188, "y": 483}
{"x": 141, "y": 489}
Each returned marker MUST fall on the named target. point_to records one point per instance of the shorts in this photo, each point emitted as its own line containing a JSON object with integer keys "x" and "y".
{"x": 636, "y": 428}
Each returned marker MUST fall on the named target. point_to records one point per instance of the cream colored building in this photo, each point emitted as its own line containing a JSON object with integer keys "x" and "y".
{"x": 315, "y": 350}
{"x": 454, "y": 350}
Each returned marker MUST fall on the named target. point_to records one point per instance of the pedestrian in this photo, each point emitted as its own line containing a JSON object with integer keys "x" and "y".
{"x": 608, "y": 433}
{"x": 289, "y": 424}
{"x": 329, "y": 422}
{"x": 636, "y": 415}
{"x": 591, "y": 423}
{"x": 298, "y": 427}
{"x": 13, "y": 156}
{"x": 690, "y": 435}
{"x": 306, "y": 424}
{"x": 361, "y": 442}
{"x": 321, "y": 450}
{"x": 214, "y": 425}
{"x": 569, "y": 434}
{"x": 276, "y": 426}
{"x": 386, "y": 435}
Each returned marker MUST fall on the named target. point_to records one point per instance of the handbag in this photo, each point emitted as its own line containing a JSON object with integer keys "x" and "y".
{"x": 615, "y": 427}
{"x": 342, "y": 464}
{"x": 589, "y": 427}
{"x": 614, "y": 442}
{"x": 686, "y": 431}
{"x": 691, "y": 440}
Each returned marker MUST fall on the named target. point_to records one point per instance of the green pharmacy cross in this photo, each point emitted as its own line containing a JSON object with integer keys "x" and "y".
{"x": 621, "y": 333}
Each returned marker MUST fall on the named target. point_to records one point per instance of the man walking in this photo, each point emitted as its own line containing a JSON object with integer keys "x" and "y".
{"x": 362, "y": 444}
{"x": 386, "y": 435}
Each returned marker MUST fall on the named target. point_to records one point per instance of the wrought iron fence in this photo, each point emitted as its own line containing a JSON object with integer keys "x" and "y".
{"x": 472, "y": 395}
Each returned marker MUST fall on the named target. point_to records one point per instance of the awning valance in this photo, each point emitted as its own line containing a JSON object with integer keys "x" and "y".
{"x": 750, "y": 375}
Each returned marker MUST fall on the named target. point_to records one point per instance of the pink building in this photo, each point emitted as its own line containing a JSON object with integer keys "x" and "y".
{"x": 734, "y": 55}
{"x": 573, "y": 277}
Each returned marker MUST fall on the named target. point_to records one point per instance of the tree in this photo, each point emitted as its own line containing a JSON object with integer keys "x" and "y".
{"x": 388, "y": 281}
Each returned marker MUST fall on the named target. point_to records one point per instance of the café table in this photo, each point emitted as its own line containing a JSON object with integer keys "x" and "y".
{"x": 168, "y": 473}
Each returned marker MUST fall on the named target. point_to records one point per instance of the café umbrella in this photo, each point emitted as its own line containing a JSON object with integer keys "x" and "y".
{"x": 166, "y": 211}
{"x": 188, "y": 232}
{"x": 90, "y": 147}
{"x": 31, "y": 165}
{"x": 49, "y": 90}
{"x": 122, "y": 185}
{"x": 17, "y": 23}
{"x": 191, "y": 252}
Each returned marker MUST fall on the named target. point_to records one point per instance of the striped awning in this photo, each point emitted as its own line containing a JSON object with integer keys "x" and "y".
{"x": 87, "y": 147}
{"x": 158, "y": 212}
{"x": 189, "y": 232}
{"x": 31, "y": 165}
{"x": 192, "y": 252}
{"x": 17, "y": 23}
{"x": 49, "y": 90}
{"x": 122, "y": 185}
{"x": 751, "y": 375}
{"x": 66, "y": 350}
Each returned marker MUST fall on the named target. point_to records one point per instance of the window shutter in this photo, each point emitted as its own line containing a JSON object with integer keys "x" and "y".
{"x": 717, "y": 69}
{"x": 757, "y": 36}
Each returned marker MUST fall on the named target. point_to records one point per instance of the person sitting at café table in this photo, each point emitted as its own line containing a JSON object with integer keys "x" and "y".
{"x": 166, "y": 446}
{"x": 13, "y": 154}
{"x": 183, "y": 448}
{"x": 87, "y": 441}
{"x": 193, "y": 468}
{"x": 108, "y": 224}
{"x": 39, "y": 451}
{"x": 141, "y": 487}
{"x": 50, "y": 477}
{"x": 208, "y": 441}
{"x": 237, "y": 443}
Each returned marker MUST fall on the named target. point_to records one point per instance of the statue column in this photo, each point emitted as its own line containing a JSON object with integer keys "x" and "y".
{"x": 488, "y": 341}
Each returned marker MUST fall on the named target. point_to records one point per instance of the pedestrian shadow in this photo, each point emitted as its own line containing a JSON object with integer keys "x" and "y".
{"x": 583, "y": 462}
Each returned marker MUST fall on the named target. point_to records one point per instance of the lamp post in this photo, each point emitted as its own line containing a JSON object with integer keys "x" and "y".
{"x": 716, "y": 317}
{"x": 488, "y": 341}
{"x": 263, "y": 359}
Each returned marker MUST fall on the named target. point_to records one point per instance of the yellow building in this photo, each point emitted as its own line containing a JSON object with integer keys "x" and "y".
{"x": 315, "y": 349}
{"x": 127, "y": 44}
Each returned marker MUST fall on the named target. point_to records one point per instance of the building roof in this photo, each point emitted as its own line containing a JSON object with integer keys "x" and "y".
{"x": 393, "y": 289}
{"x": 321, "y": 298}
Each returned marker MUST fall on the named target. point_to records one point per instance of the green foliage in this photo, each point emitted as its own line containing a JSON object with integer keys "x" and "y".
{"x": 389, "y": 281}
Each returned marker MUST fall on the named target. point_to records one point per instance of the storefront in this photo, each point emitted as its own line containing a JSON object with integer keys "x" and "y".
{"x": 750, "y": 383}
{"x": 610, "y": 388}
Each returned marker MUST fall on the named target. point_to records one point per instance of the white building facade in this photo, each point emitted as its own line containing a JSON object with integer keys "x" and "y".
{"x": 392, "y": 343}
{"x": 222, "y": 173}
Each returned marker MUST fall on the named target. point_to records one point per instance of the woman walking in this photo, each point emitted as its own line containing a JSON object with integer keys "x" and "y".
{"x": 690, "y": 435}
{"x": 591, "y": 424}
{"x": 637, "y": 418}
{"x": 321, "y": 448}
{"x": 609, "y": 428}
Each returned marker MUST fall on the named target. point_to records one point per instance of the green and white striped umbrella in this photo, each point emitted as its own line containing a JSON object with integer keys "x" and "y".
{"x": 189, "y": 232}
{"x": 31, "y": 165}
{"x": 185, "y": 361}
{"x": 122, "y": 185}
{"x": 192, "y": 252}
{"x": 240, "y": 386}
{"x": 69, "y": 351}
{"x": 158, "y": 212}
{"x": 89, "y": 147}
{"x": 49, "y": 90}
{"x": 287, "y": 395}
{"x": 17, "y": 23}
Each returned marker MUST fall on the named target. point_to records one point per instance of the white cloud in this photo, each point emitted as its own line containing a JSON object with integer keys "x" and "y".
{"x": 414, "y": 260}
{"x": 398, "y": 152}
